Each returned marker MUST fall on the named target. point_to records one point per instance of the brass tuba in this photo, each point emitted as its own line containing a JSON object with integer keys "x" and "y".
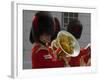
{"x": 68, "y": 44}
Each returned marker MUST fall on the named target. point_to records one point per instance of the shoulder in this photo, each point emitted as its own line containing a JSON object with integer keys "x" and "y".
{"x": 85, "y": 51}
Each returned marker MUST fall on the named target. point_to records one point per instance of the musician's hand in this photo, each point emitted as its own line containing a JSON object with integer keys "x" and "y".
{"x": 62, "y": 56}
{"x": 82, "y": 62}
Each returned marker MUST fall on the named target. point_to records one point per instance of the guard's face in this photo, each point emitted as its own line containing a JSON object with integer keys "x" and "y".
{"x": 45, "y": 38}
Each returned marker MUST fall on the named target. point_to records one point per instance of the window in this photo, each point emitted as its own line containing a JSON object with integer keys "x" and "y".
{"x": 67, "y": 17}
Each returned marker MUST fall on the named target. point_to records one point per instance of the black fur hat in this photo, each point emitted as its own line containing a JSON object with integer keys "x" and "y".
{"x": 56, "y": 27}
{"x": 31, "y": 37}
{"x": 75, "y": 28}
{"x": 42, "y": 23}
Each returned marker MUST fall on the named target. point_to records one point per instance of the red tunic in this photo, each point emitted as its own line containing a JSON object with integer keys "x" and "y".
{"x": 42, "y": 59}
{"x": 85, "y": 53}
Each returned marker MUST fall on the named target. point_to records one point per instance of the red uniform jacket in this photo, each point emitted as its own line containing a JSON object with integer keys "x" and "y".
{"x": 42, "y": 59}
{"x": 85, "y": 53}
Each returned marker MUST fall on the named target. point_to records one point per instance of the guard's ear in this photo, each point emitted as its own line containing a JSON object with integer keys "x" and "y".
{"x": 31, "y": 37}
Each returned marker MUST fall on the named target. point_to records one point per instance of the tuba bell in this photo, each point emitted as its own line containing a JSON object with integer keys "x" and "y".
{"x": 68, "y": 44}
